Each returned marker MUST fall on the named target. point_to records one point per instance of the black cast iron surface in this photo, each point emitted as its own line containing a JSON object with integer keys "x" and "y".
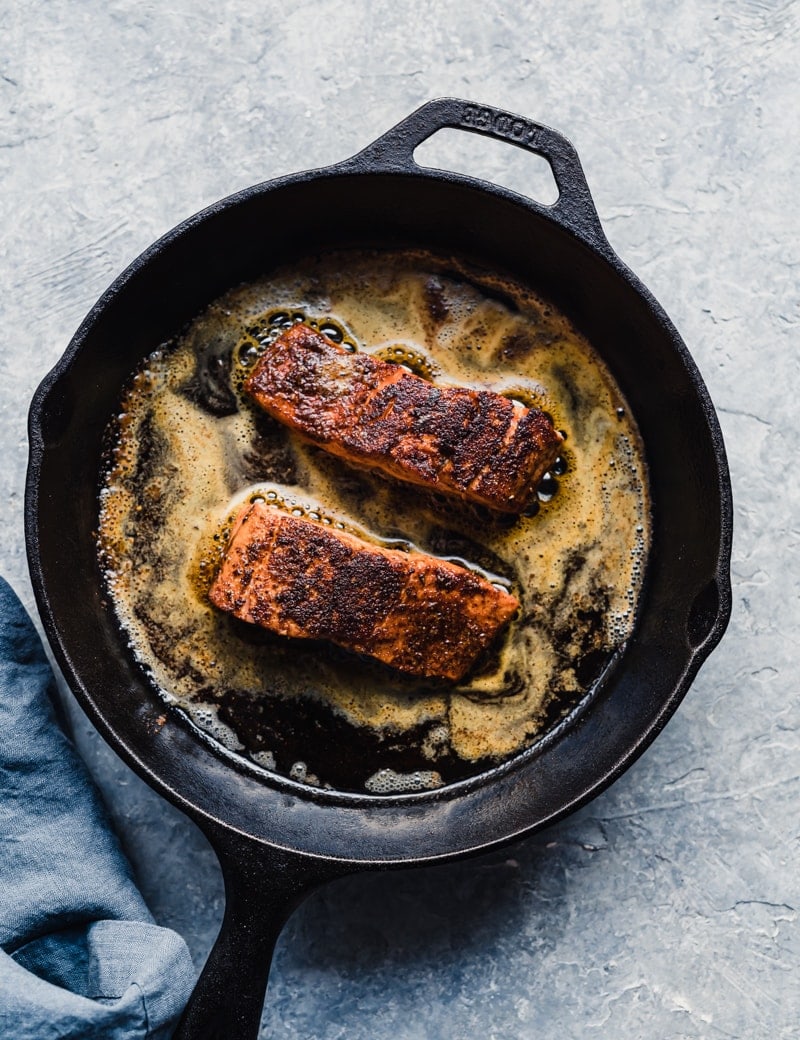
{"x": 277, "y": 839}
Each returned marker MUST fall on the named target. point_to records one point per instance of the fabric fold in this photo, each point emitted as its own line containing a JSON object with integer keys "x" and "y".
{"x": 81, "y": 955}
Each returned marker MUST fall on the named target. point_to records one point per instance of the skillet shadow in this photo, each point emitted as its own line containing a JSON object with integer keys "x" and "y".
{"x": 438, "y": 916}
{"x": 444, "y": 952}
{"x": 367, "y": 922}
{"x": 367, "y": 925}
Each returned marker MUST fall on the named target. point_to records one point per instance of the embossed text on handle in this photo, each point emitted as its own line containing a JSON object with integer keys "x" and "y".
{"x": 493, "y": 121}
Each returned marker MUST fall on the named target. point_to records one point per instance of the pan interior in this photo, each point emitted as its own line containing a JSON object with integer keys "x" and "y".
{"x": 188, "y": 449}
{"x": 237, "y": 241}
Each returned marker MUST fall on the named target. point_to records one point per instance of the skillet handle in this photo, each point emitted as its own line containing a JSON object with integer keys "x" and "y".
{"x": 574, "y": 208}
{"x": 263, "y": 885}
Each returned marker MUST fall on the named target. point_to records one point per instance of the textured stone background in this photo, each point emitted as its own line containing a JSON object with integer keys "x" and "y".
{"x": 668, "y": 907}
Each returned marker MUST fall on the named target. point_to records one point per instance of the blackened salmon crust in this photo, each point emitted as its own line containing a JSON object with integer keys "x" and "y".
{"x": 475, "y": 444}
{"x": 422, "y": 615}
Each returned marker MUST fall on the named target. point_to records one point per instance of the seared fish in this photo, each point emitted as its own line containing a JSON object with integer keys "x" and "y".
{"x": 475, "y": 444}
{"x": 425, "y": 616}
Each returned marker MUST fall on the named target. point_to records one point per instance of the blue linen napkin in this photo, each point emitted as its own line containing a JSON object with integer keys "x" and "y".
{"x": 80, "y": 955}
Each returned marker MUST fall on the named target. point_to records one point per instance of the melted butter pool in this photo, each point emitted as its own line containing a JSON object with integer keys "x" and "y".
{"x": 188, "y": 449}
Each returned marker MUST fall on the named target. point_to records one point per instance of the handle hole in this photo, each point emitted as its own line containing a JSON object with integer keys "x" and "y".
{"x": 491, "y": 160}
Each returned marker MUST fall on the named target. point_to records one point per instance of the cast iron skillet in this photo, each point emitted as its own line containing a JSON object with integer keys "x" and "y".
{"x": 277, "y": 839}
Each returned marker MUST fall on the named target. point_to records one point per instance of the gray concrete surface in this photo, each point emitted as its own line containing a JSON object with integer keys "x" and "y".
{"x": 668, "y": 907}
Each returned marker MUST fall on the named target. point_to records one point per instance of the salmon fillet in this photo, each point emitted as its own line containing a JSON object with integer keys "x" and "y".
{"x": 475, "y": 444}
{"x": 422, "y": 615}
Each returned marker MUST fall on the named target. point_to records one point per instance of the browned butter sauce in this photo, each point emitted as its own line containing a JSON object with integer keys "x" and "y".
{"x": 188, "y": 449}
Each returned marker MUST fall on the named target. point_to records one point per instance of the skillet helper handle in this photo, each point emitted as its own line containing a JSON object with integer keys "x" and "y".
{"x": 263, "y": 885}
{"x": 574, "y": 208}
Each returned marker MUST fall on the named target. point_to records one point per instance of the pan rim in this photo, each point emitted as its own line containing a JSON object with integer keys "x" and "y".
{"x": 694, "y": 656}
